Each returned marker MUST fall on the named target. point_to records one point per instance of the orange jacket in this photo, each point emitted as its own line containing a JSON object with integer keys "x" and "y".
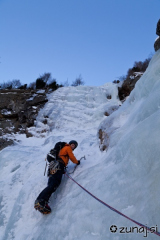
{"x": 66, "y": 153}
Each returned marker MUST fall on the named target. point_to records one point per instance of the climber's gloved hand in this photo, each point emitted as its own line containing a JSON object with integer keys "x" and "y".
{"x": 78, "y": 162}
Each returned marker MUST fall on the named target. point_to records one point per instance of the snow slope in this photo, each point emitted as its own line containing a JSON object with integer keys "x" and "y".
{"x": 126, "y": 176}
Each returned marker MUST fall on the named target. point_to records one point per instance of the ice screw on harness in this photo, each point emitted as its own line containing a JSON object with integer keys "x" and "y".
{"x": 45, "y": 167}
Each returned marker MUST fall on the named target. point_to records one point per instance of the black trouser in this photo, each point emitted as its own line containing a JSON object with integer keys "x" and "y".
{"x": 53, "y": 183}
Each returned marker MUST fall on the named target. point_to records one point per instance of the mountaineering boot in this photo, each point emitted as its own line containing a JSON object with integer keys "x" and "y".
{"x": 42, "y": 206}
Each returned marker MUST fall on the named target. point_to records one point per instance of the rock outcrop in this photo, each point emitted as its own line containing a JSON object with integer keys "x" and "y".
{"x": 157, "y": 41}
{"x": 18, "y": 111}
{"x": 157, "y": 44}
{"x": 128, "y": 85}
{"x": 158, "y": 28}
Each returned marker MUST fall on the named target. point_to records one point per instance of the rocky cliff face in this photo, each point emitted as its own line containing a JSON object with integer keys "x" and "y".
{"x": 18, "y": 111}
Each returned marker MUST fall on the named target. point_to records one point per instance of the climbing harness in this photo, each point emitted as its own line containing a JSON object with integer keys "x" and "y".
{"x": 113, "y": 209}
{"x": 53, "y": 166}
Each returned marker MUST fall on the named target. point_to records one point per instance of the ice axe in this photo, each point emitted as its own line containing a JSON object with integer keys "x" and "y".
{"x": 77, "y": 165}
{"x": 82, "y": 158}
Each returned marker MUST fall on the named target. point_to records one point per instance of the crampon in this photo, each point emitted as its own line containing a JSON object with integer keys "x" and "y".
{"x": 42, "y": 207}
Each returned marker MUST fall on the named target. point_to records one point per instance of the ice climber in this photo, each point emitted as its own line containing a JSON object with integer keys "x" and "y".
{"x": 55, "y": 172}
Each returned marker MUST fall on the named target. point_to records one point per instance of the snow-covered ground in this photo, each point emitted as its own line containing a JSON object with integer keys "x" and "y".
{"x": 126, "y": 176}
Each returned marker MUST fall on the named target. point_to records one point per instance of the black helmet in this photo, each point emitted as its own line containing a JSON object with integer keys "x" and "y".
{"x": 73, "y": 142}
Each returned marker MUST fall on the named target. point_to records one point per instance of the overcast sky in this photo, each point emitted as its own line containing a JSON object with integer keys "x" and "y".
{"x": 97, "y": 39}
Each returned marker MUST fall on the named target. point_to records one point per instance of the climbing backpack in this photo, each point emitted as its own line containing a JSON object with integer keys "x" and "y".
{"x": 52, "y": 158}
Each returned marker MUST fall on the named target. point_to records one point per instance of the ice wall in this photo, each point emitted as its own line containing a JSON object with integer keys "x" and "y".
{"x": 126, "y": 176}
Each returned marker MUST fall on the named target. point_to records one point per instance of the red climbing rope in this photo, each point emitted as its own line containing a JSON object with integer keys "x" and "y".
{"x": 113, "y": 209}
